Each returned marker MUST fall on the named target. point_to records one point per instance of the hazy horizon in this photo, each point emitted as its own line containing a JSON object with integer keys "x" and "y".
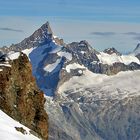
{"x": 103, "y": 24}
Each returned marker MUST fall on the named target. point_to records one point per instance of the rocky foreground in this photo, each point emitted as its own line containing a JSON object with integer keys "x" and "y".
{"x": 20, "y": 97}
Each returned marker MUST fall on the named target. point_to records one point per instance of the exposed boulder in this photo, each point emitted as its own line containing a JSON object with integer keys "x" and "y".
{"x": 21, "y": 129}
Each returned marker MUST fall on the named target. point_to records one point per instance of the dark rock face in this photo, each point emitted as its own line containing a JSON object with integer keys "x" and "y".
{"x": 82, "y": 47}
{"x": 41, "y": 36}
{"x": 113, "y": 69}
{"x": 59, "y": 41}
{"x": 82, "y": 52}
{"x": 85, "y": 55}
{"x": 20, "y": 98}
{"x": 21, "y": 129}
{"x": 111, "y": 51}
{"x": 1, "y": 53}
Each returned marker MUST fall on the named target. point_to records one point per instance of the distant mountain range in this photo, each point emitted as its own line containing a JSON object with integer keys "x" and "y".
{"x": 89, "y": 94}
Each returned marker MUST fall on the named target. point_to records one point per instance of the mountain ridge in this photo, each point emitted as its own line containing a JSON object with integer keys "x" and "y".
{"x": 84, "y": 89}
{"x": 50, "y": 59}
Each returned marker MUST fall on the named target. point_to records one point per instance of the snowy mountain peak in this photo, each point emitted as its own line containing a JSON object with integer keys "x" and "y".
{"x": 81, "y": 47}
{"x": 41, "y": 36}
{"x": 112, "y": 51}
{"x": 83, "y": 43}
{"x": 137, "y": 49}
{"x": 46, "y": 27}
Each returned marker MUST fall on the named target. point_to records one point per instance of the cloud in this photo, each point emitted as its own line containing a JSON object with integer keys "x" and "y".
{"x": 135, "y": 35}
{"x": 10, "y": 29}
{"x": 103, "y": 33}
{"x": 131, "y": 33}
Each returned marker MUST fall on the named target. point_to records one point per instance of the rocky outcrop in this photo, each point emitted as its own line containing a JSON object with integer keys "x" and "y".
{"x": 113, "y": 69}
{"x": 82, "y": 53}
{"x": 59, "y": 41}
{"x": 20, "y": 98}
{"x": 85, "y": 55}
{"x": 111, "y": 51}
{"x": 41, "y": 36}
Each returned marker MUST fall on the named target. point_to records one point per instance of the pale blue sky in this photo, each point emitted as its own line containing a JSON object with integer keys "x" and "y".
{"x": 104, "y": 23}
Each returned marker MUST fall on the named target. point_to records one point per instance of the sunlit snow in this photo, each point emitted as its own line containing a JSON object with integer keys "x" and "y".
{"x": 110, "y": 59}
{"x": 8, "y": 131}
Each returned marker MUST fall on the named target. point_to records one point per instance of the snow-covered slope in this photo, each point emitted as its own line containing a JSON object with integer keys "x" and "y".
{"x": 47, "y": 61}
{"x": 96, "y": 106}
{"x": 9, "y": 132}
{"x": 108, "y": 84}
{"x": 114, "y": 58}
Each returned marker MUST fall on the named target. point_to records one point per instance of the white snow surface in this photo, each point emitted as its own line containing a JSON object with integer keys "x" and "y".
{"x": 36, "y": 56}
{"x": 110, "y": 59}
{"x": 51, "y": 67}
{"x": 74, "y": 66}
{"x": 67, "y": 55}
{"x": 80, "y": 71}
{"x": 101, "y": 86}
{"x": 86, "y": 80}
{"x": 8, "y": 131}
{"x": 13, "y": 55}
{"x": 5, "y": 65}
{"x": 28, "y": 51}
{"x": 82, "y": 52}
{"x": 54, "y": 36}
{"x": 56, "y": 49}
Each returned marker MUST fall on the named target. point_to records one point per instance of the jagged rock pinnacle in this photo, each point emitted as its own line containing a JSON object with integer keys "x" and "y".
{"x": 111, "y": 51}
